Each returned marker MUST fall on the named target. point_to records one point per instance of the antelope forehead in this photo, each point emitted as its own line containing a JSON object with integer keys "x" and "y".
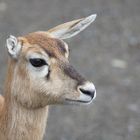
{"x": 55, "y": 48}
{"x": 36, "y": 55}
{"x": 52, "y": 46}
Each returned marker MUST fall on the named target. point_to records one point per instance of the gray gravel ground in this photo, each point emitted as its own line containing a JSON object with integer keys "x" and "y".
{"x": 107, "y": 52}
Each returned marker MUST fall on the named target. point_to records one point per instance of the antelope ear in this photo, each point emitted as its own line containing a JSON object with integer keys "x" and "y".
{"x": 13, "y": 46}
{"x": 72, "y": 28}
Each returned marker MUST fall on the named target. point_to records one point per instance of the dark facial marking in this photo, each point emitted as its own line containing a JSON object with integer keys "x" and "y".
{"x": 48, "y": 75}
{"x": 72, "y": 73}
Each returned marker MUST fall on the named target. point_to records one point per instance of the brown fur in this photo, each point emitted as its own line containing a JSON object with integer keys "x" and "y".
{"x": 24, "y": 108}
{"x": 53, "y": 47}
{"x": 17, "y": 122}
{"x": 29, "y": 89}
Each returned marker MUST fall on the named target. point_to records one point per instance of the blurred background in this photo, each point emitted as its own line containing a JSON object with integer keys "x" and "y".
{"x": 107, "y": 53}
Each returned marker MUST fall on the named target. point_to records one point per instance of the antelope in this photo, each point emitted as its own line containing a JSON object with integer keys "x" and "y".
{"x": 38, "y": 75}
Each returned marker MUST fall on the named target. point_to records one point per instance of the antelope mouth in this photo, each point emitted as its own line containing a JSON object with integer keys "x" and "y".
{"x": 82, "y": 100}
{"x": 70, "y": 101}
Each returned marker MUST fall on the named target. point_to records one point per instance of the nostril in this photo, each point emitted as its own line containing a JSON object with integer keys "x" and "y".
{"x": 87, "y": 92}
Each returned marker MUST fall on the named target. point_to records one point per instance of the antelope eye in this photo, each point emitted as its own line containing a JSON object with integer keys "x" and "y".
{"x": 37, "y": 62}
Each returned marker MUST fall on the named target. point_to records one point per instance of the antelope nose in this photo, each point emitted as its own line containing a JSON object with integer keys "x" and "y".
{"x": 90, "y": 93}
{"x": 88, "y": 89}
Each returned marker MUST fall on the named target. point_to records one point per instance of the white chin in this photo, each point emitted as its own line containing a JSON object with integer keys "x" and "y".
{"x": 85, "y": 98}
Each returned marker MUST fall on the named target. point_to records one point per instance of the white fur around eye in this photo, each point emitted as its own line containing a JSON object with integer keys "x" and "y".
{"x": 38, "y": 71}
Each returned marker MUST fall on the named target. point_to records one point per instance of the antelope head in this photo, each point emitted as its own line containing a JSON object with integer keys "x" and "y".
{"x": 41, "y": 72}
